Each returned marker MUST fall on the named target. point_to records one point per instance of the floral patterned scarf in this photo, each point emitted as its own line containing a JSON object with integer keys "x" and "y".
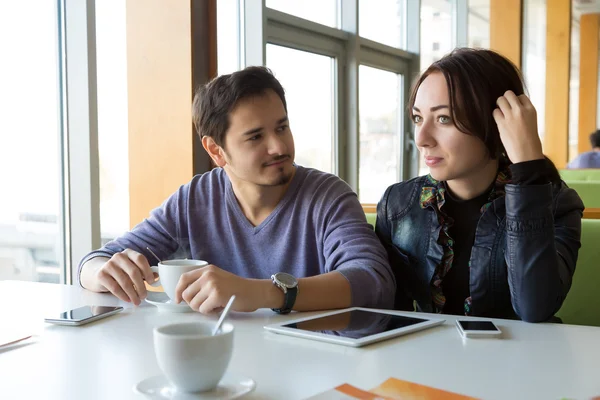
{"x": 432, "y": 195}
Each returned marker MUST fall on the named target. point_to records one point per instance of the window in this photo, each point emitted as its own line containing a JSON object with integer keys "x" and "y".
{"x": 228, "y": 34}
{"x": 574, "y": 85}
{"x": 111, "y": 61}
{"x": 478, "y": 20}
{"x": 380, "y": 152}
{"x": 534, "y": 57}
{"x": 324, "y": 12}
{"x": 436, "y": 27}
{"x": 30, "y": 158}
{"x": 382, "y": 21}
{"x": 319, "y": 67}
{"x": 308, "y": 80}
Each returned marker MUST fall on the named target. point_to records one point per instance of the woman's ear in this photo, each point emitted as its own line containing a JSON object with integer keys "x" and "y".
{"x": 215, "y": 151}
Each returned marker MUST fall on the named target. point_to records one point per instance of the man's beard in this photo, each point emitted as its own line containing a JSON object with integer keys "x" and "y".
{"x": 282, "y": 180}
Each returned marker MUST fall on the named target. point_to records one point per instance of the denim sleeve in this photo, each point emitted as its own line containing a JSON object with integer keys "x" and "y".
{"x": 397, "y": 259}
{"x": 543, "y": 239}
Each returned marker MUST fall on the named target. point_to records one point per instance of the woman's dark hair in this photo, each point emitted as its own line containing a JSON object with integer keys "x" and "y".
{"x": 475, "y": 79}
{"x": 215, "y": 100}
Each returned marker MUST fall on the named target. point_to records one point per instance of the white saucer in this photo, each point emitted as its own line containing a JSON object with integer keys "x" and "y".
{"x": 162, "y": 301}
{"x": 230, "y": 387}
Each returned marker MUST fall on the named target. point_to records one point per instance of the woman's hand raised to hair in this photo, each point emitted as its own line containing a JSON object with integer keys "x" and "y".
{"x": 517, "y": 122}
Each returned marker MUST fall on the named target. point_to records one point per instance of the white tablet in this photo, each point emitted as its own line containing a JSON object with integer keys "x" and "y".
{"x": 355, "y": 326}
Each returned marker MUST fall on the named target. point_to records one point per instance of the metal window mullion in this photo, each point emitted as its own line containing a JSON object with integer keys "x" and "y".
{"x": 376, "y": 58}
{"x": 349, "y": 140}
{"x": 410, "y": 166}
{"x": 300, "y": 24}
{"x": 254, "y": 37}
{"x": 290, "y": 36}
{"x": 460, "y": 27}
{"x": 399, "y": 54}
{"x": 82, "y": 183}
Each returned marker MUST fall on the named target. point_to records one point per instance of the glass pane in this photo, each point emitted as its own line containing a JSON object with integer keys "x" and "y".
{"x": 111, "y": 59}
{"x": 479, "y": 24}
{"x": 228, "y": 34}
{"x": 574, "y": 85}
{"x": 436, "y": 40}
{"x": 308, "y": 80}
{"x": 382, "y": 21}
{"x": 534, "y": 57}
{"x": 30, "y": 210}
{"x": 379, "y": 106}
{"x": 324, "y": 12}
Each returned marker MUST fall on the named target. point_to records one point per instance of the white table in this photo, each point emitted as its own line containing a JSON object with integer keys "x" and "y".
{"x": 105, "y": 359}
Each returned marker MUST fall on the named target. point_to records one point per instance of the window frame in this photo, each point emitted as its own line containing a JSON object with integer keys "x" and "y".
{"x": 262, "y": 25}
{"x": 80, "y": 222}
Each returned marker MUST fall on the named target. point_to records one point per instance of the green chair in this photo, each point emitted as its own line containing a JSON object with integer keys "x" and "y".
{"x": 371, "y": 218}
{"x": 588, "y": 174}
{"x": 589, "y": 192}
{"x": 582, "y": 305}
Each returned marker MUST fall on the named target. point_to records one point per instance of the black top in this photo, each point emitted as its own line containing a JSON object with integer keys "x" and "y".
{"x": 466, "y": 214}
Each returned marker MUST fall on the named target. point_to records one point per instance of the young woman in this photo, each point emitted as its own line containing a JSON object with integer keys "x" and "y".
{"x": 492, "y": 230}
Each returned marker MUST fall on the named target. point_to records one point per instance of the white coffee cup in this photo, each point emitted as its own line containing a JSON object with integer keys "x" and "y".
{"x": 190, "y": 357}
{"x": 170, "y": 271}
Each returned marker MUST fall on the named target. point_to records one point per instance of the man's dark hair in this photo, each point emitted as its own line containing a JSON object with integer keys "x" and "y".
{"x": 475, "y": 79}
{"x": 595, "y": 139}
{"x": 215, "y": 100}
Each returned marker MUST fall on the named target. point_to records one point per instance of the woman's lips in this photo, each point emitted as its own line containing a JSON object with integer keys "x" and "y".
{"x": 433, "y": 161}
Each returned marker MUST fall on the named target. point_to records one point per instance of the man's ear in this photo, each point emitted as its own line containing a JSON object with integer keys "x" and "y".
{"x": 214, "y": 151}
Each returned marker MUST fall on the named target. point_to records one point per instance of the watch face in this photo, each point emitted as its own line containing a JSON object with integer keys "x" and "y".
{"x": 286, "y": 280}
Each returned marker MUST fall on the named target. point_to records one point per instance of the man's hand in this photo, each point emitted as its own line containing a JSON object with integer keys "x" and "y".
{"x": 124, "y": 274}
{"x": 517, "y": 122}
{"x": 209, "y": 288}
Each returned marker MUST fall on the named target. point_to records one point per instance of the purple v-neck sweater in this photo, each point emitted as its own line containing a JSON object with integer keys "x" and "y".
{"x": 317, "y": 227}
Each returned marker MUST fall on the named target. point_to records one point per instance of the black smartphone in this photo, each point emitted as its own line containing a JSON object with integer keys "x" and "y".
{"x": 83, "y": 315}
{"x": 478, "y": 329}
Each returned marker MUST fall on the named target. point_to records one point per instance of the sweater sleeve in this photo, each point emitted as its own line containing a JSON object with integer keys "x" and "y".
{"x": 352, "y": 248}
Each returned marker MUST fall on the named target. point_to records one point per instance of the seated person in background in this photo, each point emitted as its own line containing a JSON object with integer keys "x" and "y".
{"x": 590, "y": 159}
{"x": 492, "y": 231}
{"x": 256, "y": 215}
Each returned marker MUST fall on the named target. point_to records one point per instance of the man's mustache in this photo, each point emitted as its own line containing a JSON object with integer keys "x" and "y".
{"x": 277, "y": 159}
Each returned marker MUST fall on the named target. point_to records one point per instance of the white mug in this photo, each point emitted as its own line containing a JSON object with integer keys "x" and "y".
{"x": 170, "y": 271}
{"x": 190, "y": 357}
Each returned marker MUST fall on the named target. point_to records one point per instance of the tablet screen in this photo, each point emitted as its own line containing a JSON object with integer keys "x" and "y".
{"x": 356, "y": 323}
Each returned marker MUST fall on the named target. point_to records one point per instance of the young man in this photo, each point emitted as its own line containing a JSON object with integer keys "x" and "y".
{"x": 590, "y": 159}
{"x": 257, "y": 216}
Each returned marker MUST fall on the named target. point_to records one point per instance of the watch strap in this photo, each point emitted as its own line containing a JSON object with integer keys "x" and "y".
{"x": 289, "y": 301}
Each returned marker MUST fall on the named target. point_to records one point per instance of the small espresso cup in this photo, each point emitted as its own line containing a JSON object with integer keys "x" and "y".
{"x": 190, "y": 357}
{"x": 170, "y": 271}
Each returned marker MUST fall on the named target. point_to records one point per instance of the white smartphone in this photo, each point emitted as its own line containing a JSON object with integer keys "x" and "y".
{"x": 478, "y": 329}
{"x": 83, "y": 315}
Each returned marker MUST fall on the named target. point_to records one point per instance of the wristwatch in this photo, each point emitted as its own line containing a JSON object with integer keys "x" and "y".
{"x": 289, "y": 286}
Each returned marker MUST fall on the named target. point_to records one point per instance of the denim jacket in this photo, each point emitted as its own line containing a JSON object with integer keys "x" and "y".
{"x": 522, "y": 260}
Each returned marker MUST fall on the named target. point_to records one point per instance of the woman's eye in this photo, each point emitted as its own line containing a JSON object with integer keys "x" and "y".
{"x": 417, "y": 119}
{"x": 444, "y": 119}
